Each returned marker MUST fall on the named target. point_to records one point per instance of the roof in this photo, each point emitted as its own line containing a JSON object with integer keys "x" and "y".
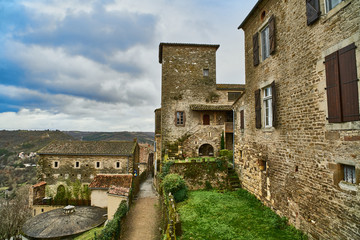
{"x": 119, "y": 148}
{"x": 55, "y": 224}
{"x": 234, "y": 87}
{"x": 120, "y": 191}
{"x": 249, "y": 15}
{"x": 184, "y": 45}
{"x": 105, "y": 181}
{"x": 208, "y": 107}
{"x": 39, "y": 184}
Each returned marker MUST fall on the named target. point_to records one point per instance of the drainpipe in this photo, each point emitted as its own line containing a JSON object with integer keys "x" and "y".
{"x": 128, "y": 165}
{"x": 233, "y": 139}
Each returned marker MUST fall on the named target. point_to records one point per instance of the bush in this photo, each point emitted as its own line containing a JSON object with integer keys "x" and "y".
{"x": 227, "y": 155}
{"x": 175, "y": 184}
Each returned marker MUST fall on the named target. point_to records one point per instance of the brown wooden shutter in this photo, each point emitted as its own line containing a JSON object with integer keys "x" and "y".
{"x": 312, "y": 11}
{"x": 256, "y": 49}
{"x": 258, "y": 108}
{"x": 348, "y": 83}
{"x": 333, "y": 88}
{"x": 272, "y": 34}
{"x": 242, "y": 119}
{"x": 274, "y": 111}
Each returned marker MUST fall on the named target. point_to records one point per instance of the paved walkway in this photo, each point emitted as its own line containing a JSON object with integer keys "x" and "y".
{"x": 142, "y": 221}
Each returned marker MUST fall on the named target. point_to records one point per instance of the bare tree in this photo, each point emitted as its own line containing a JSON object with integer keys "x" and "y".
{"x": 14, "y": 211}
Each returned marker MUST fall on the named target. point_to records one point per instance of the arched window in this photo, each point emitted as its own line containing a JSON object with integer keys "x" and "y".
{"x": 206, "y": 119}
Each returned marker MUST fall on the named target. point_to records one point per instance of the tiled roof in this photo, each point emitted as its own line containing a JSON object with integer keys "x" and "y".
{"x": 122, "y": 148}
{"x": 121, "y": 191}
{"x": 184, "y": 45}
{"x": 234, "y": 87}
{"x": 39, "y": 184}
{"x": 104, "y": 181}
{"x": 208, "y": 107}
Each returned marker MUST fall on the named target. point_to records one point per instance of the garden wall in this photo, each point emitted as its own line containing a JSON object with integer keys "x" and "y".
{"x": 200, "y": 175}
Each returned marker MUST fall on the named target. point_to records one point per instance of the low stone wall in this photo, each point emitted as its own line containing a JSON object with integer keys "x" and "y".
{"x": 200, "y": 175}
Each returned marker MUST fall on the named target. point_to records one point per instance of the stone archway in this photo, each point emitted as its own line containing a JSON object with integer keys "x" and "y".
{"x": 206, "y": 150}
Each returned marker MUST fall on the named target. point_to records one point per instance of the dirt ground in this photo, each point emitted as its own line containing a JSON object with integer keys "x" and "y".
{"x": 143, "y": 219}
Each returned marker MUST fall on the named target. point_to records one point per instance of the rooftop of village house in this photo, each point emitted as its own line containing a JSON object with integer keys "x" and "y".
{"x": 121, "y": 148}
{"x": 105, "y": 181}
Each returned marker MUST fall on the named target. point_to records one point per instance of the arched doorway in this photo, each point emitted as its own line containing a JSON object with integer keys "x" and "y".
{"x": 206, "y": 119}
{"x": 206, "y": 150}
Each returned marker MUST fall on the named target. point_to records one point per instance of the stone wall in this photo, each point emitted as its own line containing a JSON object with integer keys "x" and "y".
{"x": 183, "y": 83}
{"x": 200, "y": 174}
{"x": 87, "y": 170}
{"x": 295, "y": 167}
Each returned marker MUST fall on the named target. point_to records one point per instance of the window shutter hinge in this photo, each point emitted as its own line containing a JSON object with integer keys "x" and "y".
{"x": 327, "y": 118}
{"x": 325, "y": 88}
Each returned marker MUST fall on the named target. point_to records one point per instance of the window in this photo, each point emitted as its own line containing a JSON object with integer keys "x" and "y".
{"x": 262, "y": 165}
{"x": 206, "y": 119}
{"x": 330, "y": 4}
{"x": 242, "y": 119}
{"x": 265, "y": 46}
{"x": 56, "y": 164}
{"x": 342, "y": 85}
{"x": 205, "y": 72}
{"x": 117, "y": 165}
{"x": 180, "y": 119}
{"x": 267, "y": 106}
{"x": 97, "y": 165}
{"x": 268, "y": 100}
{"x": 349, "y": 174}
{"x": 77, "y": 164}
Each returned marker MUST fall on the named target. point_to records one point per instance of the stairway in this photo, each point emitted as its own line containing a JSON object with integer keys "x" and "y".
{"x": 233, "y": 179}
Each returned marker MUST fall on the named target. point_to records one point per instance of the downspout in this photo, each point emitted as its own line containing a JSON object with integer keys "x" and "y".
{"x": 128, "y": 165}
{"x": 233, "y": 158}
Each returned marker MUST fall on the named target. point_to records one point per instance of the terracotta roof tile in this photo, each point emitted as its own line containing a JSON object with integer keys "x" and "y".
{"x": 210, "y": 107}
{"x": 121, "y": 191}
{"x": 104, "y": 181}
{"x": 233, "y": 87}
{"x": 122, "y": 148}
{"x": 39, "y": 184}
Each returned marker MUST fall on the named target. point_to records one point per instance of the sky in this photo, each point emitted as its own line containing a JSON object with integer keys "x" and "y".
{"x": 92, "y": 65}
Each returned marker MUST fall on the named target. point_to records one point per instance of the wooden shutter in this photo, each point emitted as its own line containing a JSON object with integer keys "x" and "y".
{"x": 348, "y": 83}
{"x": 312, "y": 11}
{"x": 274, "y": 111}
{"x": 258, "y": 108}
{"x": 333, "y": 88}
{"x": 256, "y": 49}
{"x": 272, "y": 34}
{"x": 242, "y": 119}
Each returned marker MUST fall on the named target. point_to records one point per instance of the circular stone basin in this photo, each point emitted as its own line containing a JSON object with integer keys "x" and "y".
{"x": 57, "y": 223}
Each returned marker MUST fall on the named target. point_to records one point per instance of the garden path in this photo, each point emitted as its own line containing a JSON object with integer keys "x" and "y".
{"x": 143, "y": 219}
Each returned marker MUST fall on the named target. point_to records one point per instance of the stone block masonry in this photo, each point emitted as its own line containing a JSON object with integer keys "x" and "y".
{"x": 300, "y": 165}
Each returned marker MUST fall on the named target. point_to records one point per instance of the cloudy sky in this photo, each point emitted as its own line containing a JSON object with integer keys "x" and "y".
{"x": 92, "y": 65}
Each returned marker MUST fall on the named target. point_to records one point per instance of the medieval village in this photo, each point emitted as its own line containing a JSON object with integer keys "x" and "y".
{"x": 275, "y": 158}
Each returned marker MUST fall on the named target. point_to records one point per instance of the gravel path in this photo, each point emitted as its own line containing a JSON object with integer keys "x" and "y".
{"x": 142, "y": 221}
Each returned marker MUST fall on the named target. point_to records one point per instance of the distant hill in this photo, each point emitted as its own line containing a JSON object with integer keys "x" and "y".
{"x": 142, "y": 137}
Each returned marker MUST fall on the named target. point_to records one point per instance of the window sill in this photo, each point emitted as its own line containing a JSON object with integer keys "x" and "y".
{"x": 355, "y": 125}
{"x": 268, "y": 129}
{"x": 348, "y": 186}
{"x": 336, "y": 9}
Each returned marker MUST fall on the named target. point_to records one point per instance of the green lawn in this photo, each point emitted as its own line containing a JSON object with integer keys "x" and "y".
{"x": 90, "y": 234}
{"x": 208, "y": 215}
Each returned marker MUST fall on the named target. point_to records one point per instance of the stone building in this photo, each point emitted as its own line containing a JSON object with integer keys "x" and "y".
{"x": 69, "y": 161}
{"x": 297, "y": 128}
{"x": 195, "y": 111}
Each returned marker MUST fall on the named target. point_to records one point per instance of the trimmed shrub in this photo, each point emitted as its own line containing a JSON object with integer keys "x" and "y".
{"x": 176, "y": 185}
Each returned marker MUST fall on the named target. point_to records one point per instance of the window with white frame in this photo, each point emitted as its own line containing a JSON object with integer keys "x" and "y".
{"x": 349, "y": 174}
{"x": 265, "y": 43}
{"x": 330, "y": 4}
{"x": 267, "y": 107}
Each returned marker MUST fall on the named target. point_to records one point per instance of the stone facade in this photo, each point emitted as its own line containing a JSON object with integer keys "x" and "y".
{"x": 296, "y": 164}
{"x": 194, "y": 109}
{"x": 85, "y": 160}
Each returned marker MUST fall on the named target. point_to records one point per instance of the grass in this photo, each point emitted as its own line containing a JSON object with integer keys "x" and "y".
{"x": 90, "y": 234}
{"x": 209, "y": 215}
